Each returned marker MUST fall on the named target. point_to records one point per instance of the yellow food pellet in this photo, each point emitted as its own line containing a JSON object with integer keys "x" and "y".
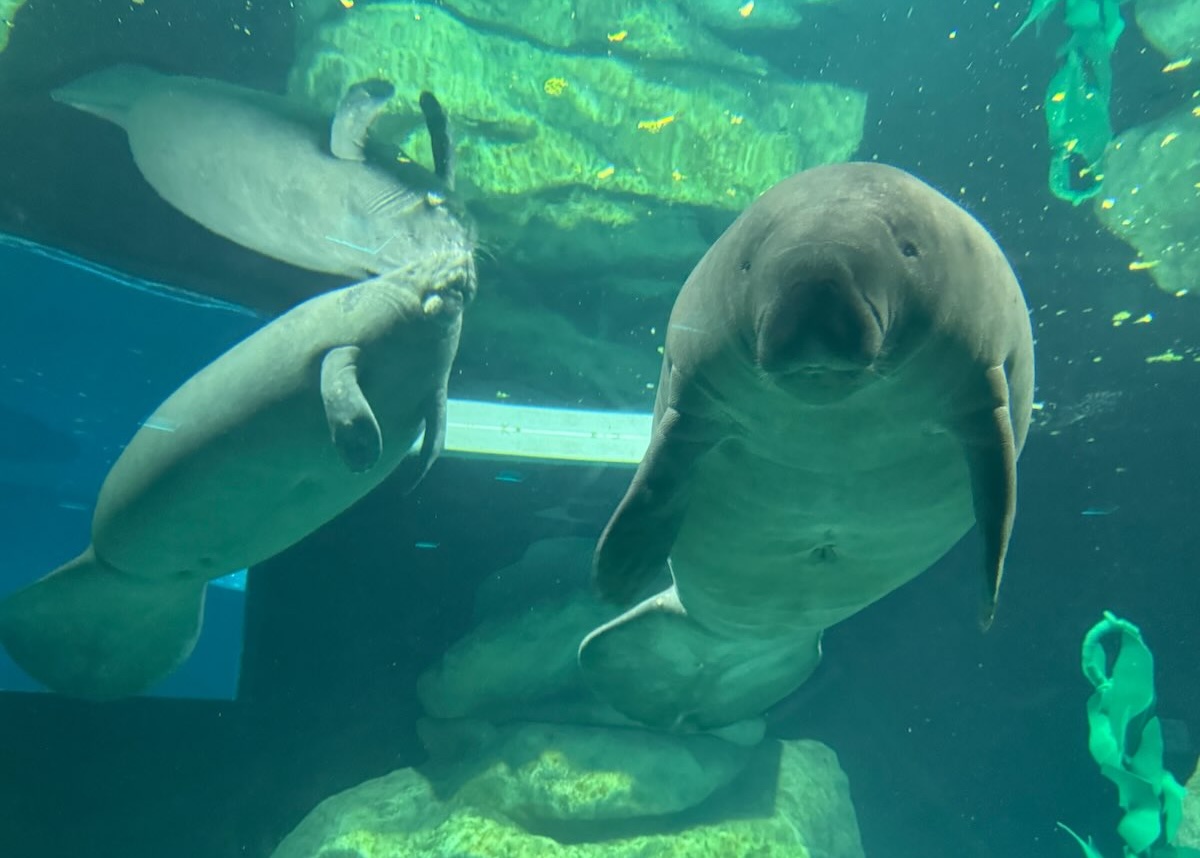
{"x": 1058, "y": 96}
{"x": 1144, "y": 320}
{"x": 1120, "y": 317}
{"x": 347, "y": 4}
{"x": 745, "y": 11}
{"x": 1143, "y": 265}
{"x": 606, "y": 173}
{"x": 953, "y": 34}
{"x": 736, "y": 119}
{"x": 677, "y": 176}
{"x": 618, "y": 37}
{"x": 1177, "y": 65}
{"x": 554, "y": 86}
{"x": 1168, "y": 138}
{"x": 1071, "y": 144}
{"x": 655, "y": 125}
{"x": 1108, "y": 202}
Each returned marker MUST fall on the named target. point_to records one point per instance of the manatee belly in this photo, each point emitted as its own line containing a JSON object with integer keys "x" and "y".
{"x": 213, "y": 484}
{"x": 266, "y": 182}
{"x": 801, "y": 540}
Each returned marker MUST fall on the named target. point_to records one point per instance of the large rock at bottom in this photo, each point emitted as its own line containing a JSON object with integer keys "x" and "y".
{"x": 536, "y": 773}
{"x": 794, "y": 803}
{"x": 1189, "y": 826}
{"x": 1151, "y": 198}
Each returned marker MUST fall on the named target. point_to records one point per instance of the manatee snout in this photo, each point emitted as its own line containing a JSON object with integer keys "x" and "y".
{"x": 819, "y": 318}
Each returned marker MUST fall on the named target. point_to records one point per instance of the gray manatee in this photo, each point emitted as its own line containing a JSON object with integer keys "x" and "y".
{"x": 846, "y": 385}
{"x": 264, "y": 445}
{"x": 260, "y": 170}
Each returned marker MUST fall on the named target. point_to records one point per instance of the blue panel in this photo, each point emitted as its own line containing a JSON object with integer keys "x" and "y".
{"x": 85, "y": 355}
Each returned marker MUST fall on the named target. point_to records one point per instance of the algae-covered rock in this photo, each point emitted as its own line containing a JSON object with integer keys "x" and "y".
{"x": 1172, "y": 26}
{"x": 792, "y": 802}
{"x": 554, "y": 139}
{"x": 535, "y": 772}
{"x": 8, "y": 14}
{"x": 1189, "y": 827}
{"x": 1151, "y": 198}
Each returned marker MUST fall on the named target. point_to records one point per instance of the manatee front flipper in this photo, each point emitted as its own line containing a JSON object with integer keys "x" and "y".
{"x": 439, "y": 138}
{"x": 990, "y": 447}
{"x": 637, "y": 540}
{"x": 352, "y": 424}
{"x": 355, "y": 113}
{"x": 656, "y": 665}
{"x": 87, "y": 630}
{"x": 414, "y": 468}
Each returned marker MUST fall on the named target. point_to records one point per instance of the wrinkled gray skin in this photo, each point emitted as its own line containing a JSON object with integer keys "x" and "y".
{"x": 262, "y": 172}
{"x": 257, "y": 450}
{"x": 847, "y": 383}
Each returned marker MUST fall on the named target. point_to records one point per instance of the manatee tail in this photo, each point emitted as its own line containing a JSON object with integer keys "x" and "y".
{"x": 658, "y": 666}
{"x": 86, "y": 630}
{"x": 108, "y": 93}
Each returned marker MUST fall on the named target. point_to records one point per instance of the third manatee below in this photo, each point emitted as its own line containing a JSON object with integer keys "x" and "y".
{"x": 272, "y": 176}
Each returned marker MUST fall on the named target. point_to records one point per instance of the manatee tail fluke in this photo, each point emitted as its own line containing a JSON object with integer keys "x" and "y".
{"x": 86, "y": 630}
{"x": 656, "y": 665}
{"x": 108, "y": 93}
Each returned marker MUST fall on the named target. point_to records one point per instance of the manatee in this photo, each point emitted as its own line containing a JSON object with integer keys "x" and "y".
{"x": 262, "y": 171}
{"x": 264, "y": 445}
{"x": 846, "y": 385}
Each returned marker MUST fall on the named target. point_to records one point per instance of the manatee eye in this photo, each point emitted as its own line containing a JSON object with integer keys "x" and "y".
{"x": 745, "y": 266}
{"x": 910, "y": 250}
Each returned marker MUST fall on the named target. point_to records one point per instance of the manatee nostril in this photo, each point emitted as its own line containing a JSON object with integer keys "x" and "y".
{"x": 910, "y": 250}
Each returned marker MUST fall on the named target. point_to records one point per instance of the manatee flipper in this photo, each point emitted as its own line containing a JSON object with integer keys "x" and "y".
{"x": 637, "y": 540}
{"x": 657, "y": 666}
{"x": 439, "y": 138}
{"x": 414, "y": 468}
{"x": 87, "y": 630}
{"x": 352, "y": 424}
{"x": 355, "y": 113}
{"x": 990, "y": 447}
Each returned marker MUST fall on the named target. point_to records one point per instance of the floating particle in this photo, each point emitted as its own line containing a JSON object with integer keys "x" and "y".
{"x": 677, "y": 176}
{"x": 738, "y": 119}
{"x": 1143, "y": 265}
{"x": 1144, "y": 320}
{"x": 1120, "y": 318}
{"x": 746, "y": 10}
{"x": 1168, "y": 356}
{"x": 426, "y": 546}
{"x": 618, "y": 36}
{"x": 554, "y": 86}
{"x": 1177, "y": 65}
{"x": 509, "y": 477}
{"x": 500, "y": 394}
{"x": 606, "y": 173}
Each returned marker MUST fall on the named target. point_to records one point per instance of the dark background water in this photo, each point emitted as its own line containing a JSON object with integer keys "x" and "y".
{"x": 955, "y": 742}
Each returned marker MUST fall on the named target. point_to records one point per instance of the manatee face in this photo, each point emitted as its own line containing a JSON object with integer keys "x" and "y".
{"x": 829, "y": 281}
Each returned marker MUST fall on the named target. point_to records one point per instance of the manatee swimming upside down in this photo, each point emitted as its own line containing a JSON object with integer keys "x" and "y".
{"x": 847, "y": 383}
{"x": 266, "y": 173}
{"x": 257, "y": 450}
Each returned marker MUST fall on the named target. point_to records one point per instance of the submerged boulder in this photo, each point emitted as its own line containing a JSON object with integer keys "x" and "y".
{"x": 792, "y": 801}
{"x": 555, "y": 133}
{"x": 1151, "y": 191}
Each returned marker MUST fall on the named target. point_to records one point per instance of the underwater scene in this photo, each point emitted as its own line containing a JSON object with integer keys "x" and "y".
{"x": 599, "y": 428}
